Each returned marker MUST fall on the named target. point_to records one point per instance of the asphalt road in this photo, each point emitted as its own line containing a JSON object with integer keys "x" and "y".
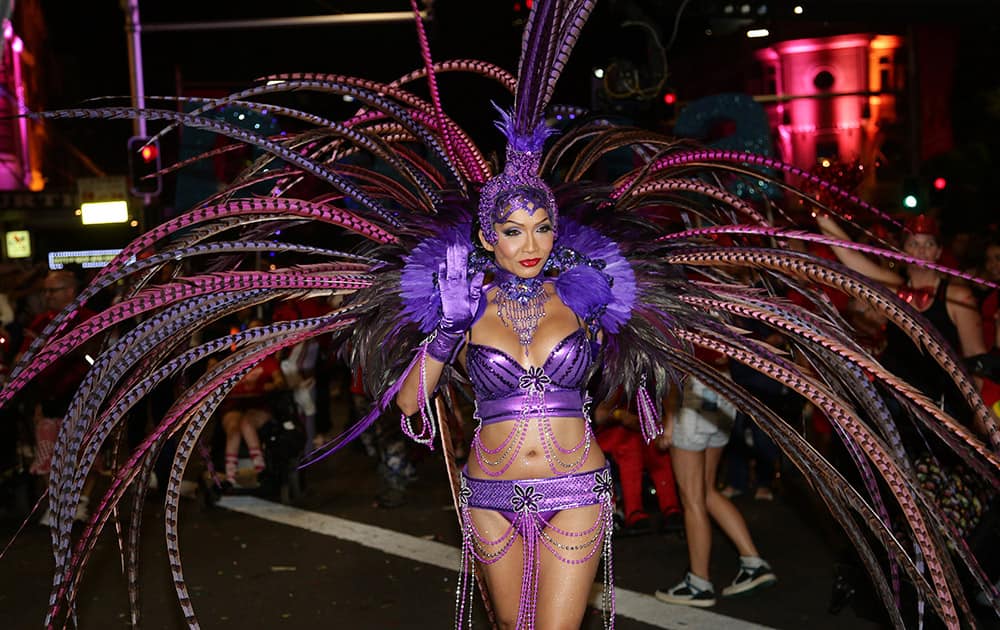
{"x": 314, "y": 563}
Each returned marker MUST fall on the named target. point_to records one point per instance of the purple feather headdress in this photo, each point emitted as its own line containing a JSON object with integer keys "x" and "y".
{"x": 518, "y": 187}
{"x": 549, "y": 35}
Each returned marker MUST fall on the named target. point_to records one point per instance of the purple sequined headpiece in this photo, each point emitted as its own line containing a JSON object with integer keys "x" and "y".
{"x": 518, "y": 187}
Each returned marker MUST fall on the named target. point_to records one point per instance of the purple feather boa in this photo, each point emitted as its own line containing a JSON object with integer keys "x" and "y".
{"x": 594, "y": 279}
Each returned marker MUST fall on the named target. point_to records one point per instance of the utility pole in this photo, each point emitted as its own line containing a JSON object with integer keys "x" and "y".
{"x": 133, "y": 37}
{"x": 133, "y": 34}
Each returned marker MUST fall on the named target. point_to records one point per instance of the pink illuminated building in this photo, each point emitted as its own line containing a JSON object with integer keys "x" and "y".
{"x": 15, "y": 167}
{"x": 831, "y": 97}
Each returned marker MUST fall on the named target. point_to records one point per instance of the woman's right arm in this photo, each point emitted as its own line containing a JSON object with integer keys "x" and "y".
{"x": 459, "y": 304}
{"x": 855, "y": 260}
{"x": 408, "y": 398}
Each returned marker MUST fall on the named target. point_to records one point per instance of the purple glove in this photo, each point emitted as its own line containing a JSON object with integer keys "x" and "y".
{"x": 459, "y": 304}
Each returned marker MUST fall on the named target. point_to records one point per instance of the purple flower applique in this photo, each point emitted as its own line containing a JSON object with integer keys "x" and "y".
{"x": 603, "y": 485}
{"x": 534, "y": 380}
{"x": 525, "y": 499}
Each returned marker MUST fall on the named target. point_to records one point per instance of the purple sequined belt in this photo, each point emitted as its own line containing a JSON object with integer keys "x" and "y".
{"x": 556, "y": 404}
{"x": 545, "y": 494}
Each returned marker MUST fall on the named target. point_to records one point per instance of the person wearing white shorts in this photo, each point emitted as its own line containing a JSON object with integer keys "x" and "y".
{"x": 697, "y": 431}
{"x": 704, "y": 420}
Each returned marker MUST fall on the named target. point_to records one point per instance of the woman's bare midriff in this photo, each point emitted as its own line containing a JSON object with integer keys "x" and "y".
{"x": 530, "y": 461}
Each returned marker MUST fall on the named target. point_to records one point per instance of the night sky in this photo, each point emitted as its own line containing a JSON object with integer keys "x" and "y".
{"x": 92, "y": 62}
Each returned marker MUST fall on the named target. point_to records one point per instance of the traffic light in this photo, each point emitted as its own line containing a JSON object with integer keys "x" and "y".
{"x": 913, "y": 198}
{"x": 666, "y": 109}
{"x": 143, "y": 167}
{"x": 940, "y": 192}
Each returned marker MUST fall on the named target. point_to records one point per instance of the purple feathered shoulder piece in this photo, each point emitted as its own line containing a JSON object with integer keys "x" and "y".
{"x": 418, "y": 279}
{"x": 595, "y": 280}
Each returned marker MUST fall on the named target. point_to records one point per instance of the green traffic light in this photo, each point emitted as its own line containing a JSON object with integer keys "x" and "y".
{"x": 910, "y": 201}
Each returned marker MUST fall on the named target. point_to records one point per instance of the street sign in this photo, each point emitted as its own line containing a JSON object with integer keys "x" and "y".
{"x": 17, "y": 244}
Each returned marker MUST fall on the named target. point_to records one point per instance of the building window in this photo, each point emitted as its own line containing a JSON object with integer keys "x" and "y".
{"x": 823, "y": 80}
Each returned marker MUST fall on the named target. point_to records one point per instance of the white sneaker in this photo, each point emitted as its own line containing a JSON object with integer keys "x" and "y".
{"x": 750, "y": 579}
{"x": 687, "y": 594}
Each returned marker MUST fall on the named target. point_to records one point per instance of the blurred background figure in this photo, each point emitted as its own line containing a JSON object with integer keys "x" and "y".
{"x": 49, "y": 398}
{"x": 619, "y": 436}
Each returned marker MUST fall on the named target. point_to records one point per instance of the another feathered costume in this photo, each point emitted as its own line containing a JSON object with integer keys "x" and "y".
{"x": 657, "y": 295}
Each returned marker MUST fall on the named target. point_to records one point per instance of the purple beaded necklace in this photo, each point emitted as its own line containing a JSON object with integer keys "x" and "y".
{"x": 520, "y": 304}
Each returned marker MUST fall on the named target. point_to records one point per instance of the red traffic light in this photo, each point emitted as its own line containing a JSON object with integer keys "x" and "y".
{"x": 670, "y": 98}
{"x": 148, "y": 153}
{"x": 940, "y": 183}
{"x": 143, "y": 166}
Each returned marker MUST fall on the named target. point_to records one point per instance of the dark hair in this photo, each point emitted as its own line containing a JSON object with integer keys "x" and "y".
{"x": 477, "y": 244}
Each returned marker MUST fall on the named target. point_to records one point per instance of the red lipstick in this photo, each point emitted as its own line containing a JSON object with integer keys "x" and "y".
{"x": 530, "y": 262}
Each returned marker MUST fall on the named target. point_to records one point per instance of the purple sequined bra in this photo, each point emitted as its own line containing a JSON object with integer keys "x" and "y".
{"x": 501, "y": 384}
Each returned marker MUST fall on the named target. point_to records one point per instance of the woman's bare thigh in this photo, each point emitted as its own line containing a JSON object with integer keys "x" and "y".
{"x": 563, "y": 587}
{"x": 503, "y": 577}
{"x": 565, "y": 582}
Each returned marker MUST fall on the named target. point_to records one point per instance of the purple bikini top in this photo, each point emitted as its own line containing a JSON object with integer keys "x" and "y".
{"x": 501, "y": 385}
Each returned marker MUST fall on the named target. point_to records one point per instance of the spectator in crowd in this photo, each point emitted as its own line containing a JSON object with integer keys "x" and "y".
{"x": 619, "y": 436}
{"x": 747, "y": 442}
{"x": 300, "y": 362}
{"x": 246, "y": 409}
{"x": 49, "y": 399}
{"x": 949, "y": 307}
{"x": 385, "y": 441}
{"x": 990, "y": 312}
{"x": 952, "y": 310}
{"x": 697, "y": 431}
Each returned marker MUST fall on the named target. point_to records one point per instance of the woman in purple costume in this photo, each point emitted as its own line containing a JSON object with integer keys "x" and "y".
{"x": 535, "y": 498}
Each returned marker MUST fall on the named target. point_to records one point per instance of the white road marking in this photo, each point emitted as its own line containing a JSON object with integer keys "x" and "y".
{"x": 631, "y": 604}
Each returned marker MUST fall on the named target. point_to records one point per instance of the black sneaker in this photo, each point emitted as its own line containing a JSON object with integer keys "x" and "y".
{"x": 748, "y": 580}
{"x": 687, "y": 594}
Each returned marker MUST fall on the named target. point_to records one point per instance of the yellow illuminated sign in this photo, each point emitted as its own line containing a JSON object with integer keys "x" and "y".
{"x": 104, "y": 212}
{"x": 17, "y": 244}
